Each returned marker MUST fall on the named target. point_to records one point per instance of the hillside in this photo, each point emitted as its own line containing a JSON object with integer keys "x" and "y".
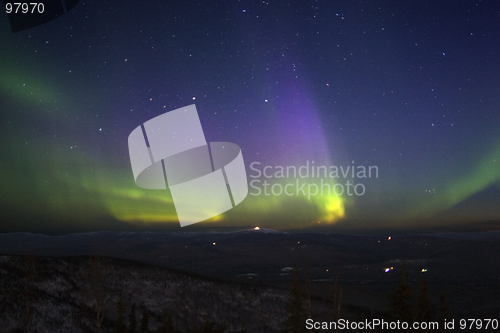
{"x": 71, "y": 294}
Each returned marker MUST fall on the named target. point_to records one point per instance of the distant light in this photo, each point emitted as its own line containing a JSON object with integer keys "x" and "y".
{"x": 424, "y": 270}
{"x": 257, "y": 228}
{"x": 265, "y": 100}
{"x": 213, "y": 243}
{"x": 387, "y": 270}
{"x": 389, "y": 238}
{"x": 194, "y": 98}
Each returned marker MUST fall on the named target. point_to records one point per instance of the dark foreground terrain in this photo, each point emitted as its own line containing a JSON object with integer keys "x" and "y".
{"x": 84, "y": 294}
{"x": 248, "y": 277}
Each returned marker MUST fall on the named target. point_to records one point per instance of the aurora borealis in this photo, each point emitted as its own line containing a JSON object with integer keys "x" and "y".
{"x": 412, "y": 88}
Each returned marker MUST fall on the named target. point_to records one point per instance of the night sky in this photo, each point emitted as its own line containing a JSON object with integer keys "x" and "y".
{"x": 411, "y": 87}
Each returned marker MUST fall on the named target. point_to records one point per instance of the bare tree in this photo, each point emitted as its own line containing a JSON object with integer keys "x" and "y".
{"x": 132, "y": 322}
{"x": 29, "y": 272}
{"x": 97, "y": 288}
{"x": 121, "y": 317}
{"x": 295, "y": 307}
{"x": 337, "y": 298}
{"x": 144, "y": 327}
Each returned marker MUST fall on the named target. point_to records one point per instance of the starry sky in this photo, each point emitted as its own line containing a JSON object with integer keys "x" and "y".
{"x": 410, "y": 87}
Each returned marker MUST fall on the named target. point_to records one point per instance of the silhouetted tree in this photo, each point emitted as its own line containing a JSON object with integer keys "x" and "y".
{"x": 144, "y": 327}
{"x": 120, "y": 325}
{"x": 401, "y": 307}
{"x": 29, "y": 272}
{"x": 295, "y": 307}
{"x": 443, "y": 310}
{"x": 337, "y": 298}
{"x": 83, "y": 317}
{"x": 4, "y": 299}
{"x": 308, "y": 301}
{"x": 166, "y": 325}
{"x": 98, "y": 288}
{"x": 132, "y": 322}
{"x": 423, "y": 306}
